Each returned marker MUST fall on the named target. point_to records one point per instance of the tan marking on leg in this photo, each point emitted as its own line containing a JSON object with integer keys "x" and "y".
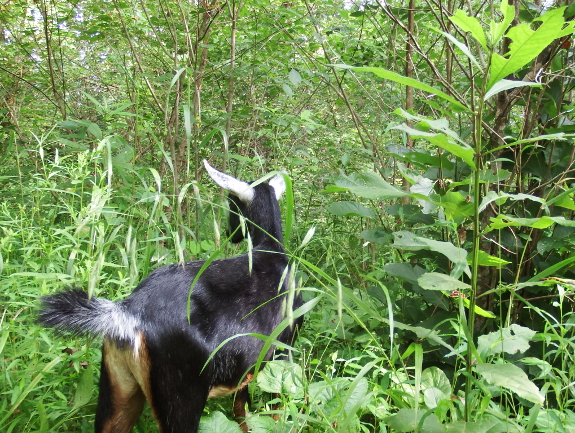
{"x": 127, "y": 397}
{"x": 222, "y": 390}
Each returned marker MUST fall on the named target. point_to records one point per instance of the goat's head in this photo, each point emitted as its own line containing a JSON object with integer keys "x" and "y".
{"x": 258, "y": 204}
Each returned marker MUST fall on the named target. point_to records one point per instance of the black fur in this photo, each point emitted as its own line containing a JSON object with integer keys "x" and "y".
{"x": 228, "y": 299}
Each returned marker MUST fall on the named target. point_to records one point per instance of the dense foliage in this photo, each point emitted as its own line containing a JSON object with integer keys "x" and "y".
{"x": 430, "y": 147}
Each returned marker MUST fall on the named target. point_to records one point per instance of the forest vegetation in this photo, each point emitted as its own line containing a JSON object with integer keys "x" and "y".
{"x": 428, "y": 217}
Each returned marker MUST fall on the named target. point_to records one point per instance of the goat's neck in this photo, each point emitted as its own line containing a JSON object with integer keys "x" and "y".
{"x": 271, "y": 240}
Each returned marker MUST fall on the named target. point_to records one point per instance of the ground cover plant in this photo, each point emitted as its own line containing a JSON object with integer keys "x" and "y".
{"x": 429, "y": 216}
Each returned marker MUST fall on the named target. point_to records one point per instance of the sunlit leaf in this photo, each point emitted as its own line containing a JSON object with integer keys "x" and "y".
{"x": 511, "y": 340}
{"x": 350, "y": 208}
{"x": 502, "y": 85}
{"x": 471, "y": 25}
{"x": 437, "y": 281}
{"x": 527, "y": 43}
{"x": 392, "y": 76}
{"x": 217, "y": 422}
{"x": 513, "y": 378}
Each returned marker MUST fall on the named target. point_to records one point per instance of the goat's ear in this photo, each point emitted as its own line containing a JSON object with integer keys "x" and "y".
{"x": 242, "y": 189}
{"x": 278, "y": 184}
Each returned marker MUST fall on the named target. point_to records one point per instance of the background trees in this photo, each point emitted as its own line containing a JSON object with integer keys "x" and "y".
{"x": 437, "y": 175}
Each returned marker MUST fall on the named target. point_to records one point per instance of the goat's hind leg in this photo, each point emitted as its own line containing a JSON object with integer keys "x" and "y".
{"x": 121, "y": 398}
{"x": 241, "y": 400}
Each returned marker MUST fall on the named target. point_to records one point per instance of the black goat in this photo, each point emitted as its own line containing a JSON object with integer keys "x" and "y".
{"x": 154, "y": 350}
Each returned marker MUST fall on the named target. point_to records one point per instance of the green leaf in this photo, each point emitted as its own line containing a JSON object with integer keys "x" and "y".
{"x": 489, "y": 424}
{"x": 437, "y": 281}
{"x": 287, "y": 89}
{"x": 261, "y": 424}
{"x": 513, "y": 378}
{"x": 408, "y": 241}
{"x": 95, "y": 130}
{"x": 218, "y": 423}
{"x": 369, "y": 185}
{"x": 511, "y": 340}
{"x": 502, "y": 85}
{"x": 565, "y": 202}
{"x": 435, "y": 377}
{"x": 85, "y": 388}
{"x": 497, "y": 29}
{"x": 478, "y": 310}
{"x": 350, "y": 208}
{"x": 464, "y": 48}
{"x": 392, "y": 76}
{"x": 447, "y": 139}
{"x": 489, "y": 260}
{"x": 405, "y": 271}
{"x": 471, "y": 25}
{"x": 501, "y": 197}
{"x": 377, "y": 235}
{"x": 295, "y": 78}
{"x": 407, "y": 420}
{"x": 527, "y": 44}
{"x": 282, "y": 377}
{"x": 465, "y": 152}
{"x": 502, "y": 221}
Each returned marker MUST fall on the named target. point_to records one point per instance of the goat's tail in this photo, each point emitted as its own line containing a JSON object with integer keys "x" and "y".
{"x": 73, "y": 312}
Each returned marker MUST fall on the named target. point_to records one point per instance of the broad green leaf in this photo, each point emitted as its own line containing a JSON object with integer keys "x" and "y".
{"x": 511, "y": 142}
{"x": 478, "y": 310}
{"x": 333, "y": 189}
{"x": 498, "y": 28}
{"x": 489, "y": 260}
{"x": 392, "y": 76}
{"x": 471, "y": 25}
{"x": 350, "y": 208}
{"x": 287, "y": 89}
{"x": 95, "y": 130}
{"x": 85, "y": 388}
{"x": 464, "y": 48}
{"x": 369, "y": 185}
{"x": 424, "y": 187}
{"x": 556, "y": 420}
{"x": 217, "y": 422}
{"x": 408, "y": 241}
{"x": 489, "y": 424}
{"x": 500, "y": 197}
{"x": 437, "y": 125}
{"x": 357, "y": 397}
{"x": 295, "y": 78}
{"x": 378, "y": 193}
{"x": 511, "y": 340}
{"x": 437, "y": 281}
{"x": 527, "y": 44}
{"x": 513, "y": 378}
{"x": 407, "y": 420}
{"x": 432, "y": 396}
{"x": 502, "y": 221}
{"x": 261, "y": 424}
{"x": 282, "y": 377}
{"x": 435, "y": 377}
{"x": 463, "y": 151}
{"x": 566, "y": 202}
{"x": 406, "y": 271}
{"x": 377, "y": 235}
{"x": 502, "y": 85}
{"x": 454, "y": 205}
